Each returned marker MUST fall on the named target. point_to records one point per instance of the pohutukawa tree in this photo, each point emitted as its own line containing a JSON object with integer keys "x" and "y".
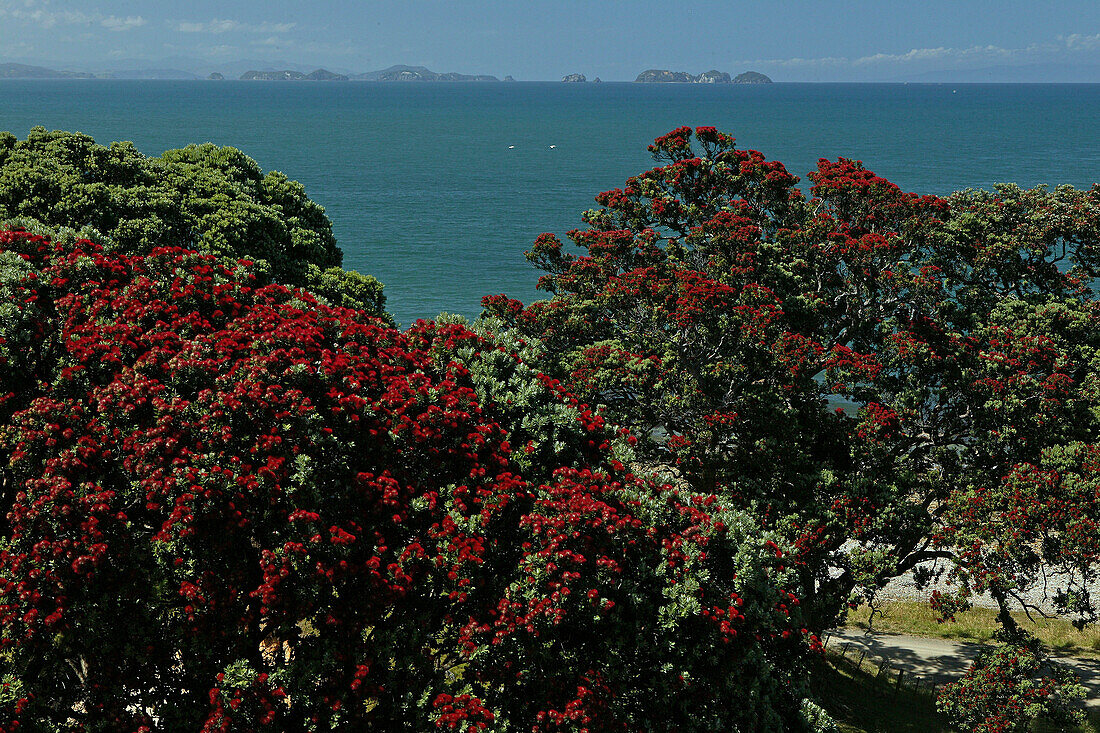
{"x": 895, "y": 382}
{"x": 228, "y": 507}
{"x": 202, "y": 197}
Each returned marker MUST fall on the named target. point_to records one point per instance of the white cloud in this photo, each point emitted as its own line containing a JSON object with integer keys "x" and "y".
{"x": 934, "y": 54}
{"x": 223, "y": 25}
{"x": 128, "y": 23}
{"x": 799, "y": 61}
{"x": 213, "y": 26}
{"x": 46, "y": 18}
{"x": 35, "y": 13}
{"x": 1074, "y": 43}
{"x": 275, "y": 27}
{"x": 1082, "y": 42}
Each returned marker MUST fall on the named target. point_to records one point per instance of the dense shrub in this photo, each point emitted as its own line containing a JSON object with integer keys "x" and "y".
{"x": 228, "y": 507}
{"x": 202, "y": 197}
{"x": 1007, "y": 688}
{"x": 889, "y": 380}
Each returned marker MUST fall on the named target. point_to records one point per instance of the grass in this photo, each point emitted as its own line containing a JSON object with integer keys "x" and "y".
{"x": 1092, "y": 726}
{"x": 978, "y": 624}
{"x": 863, "y": 702}
{"x": 860, "y": 702}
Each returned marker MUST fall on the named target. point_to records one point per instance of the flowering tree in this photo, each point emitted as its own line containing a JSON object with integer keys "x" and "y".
{"x": 228, "y": 507}
{"x": 1007, "y": 688}
{"x": 203, "y": 197}
{"x": 894, "y": 382}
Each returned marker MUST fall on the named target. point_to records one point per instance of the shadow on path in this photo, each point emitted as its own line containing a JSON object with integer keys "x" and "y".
{"x": 941, "y": 660}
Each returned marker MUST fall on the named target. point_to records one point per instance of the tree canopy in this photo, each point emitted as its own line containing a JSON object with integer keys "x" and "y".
{"x": 897, "y": 383}
{"x": 745, "y": 407}
{"x": 203, "y": 197}
{"x": 227, "y": 506}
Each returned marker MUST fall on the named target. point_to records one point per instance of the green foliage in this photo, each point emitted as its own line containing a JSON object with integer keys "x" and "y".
{"x": 720, "y": 315}
{"x": 1009, "y": 687}
{"x": 347, "y": 289}
{"x": 20, "y": 325}
{"x": 272, "y": 514}
{"x": 545, "y": 422}
{"x": 204, "y": 197}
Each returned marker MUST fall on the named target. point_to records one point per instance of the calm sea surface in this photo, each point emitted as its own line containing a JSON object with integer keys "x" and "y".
{"x": 425, "y": 192}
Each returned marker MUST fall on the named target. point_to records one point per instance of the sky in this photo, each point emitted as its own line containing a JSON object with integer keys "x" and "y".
{"x": 790, "y": 40}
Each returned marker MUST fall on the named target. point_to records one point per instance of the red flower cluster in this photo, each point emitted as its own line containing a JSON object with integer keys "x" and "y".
{"x": 891, "y": 380}
{"x": 272, "y": 514}
{"x": 1005, "y": 689}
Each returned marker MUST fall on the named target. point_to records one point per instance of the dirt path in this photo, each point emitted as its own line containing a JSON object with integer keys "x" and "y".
{"x": 940, "y": 660}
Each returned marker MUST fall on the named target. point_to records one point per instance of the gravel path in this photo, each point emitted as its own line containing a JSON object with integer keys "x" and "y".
{"x": 939, "y": 660}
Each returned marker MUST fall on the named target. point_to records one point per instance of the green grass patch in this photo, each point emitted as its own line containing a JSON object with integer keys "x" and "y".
{"x": 977, "y": 624}
{"x": 861, "y": 701}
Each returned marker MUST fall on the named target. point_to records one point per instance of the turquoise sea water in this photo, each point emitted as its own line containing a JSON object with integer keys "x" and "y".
{"x": 425, "y": 193}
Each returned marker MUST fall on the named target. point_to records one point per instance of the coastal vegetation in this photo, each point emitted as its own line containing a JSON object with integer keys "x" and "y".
{"x": 234, "y": 497}
{"x": 717, "y": 310}
{"x": 273, "y": 514}
{"x": 208, "y": 198}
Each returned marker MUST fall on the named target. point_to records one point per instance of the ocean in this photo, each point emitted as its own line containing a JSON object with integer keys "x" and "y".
{"x": 437, "y": 189}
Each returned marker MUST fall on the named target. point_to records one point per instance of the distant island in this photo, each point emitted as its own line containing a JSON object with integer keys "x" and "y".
{"x": 150, "y": 74}
{"x": 664, "y": 76}
{"x": 752, "y": 77}
{"x": 393, "y": 73}
{"x": 400, "y": 73}
{"x": 418, "y": 73}
{"x": 287, "y": 75}
{"x": 22, "y": 71}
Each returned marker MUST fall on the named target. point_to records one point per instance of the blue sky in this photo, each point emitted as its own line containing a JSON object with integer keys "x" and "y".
{"x": 791, "y": 40}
